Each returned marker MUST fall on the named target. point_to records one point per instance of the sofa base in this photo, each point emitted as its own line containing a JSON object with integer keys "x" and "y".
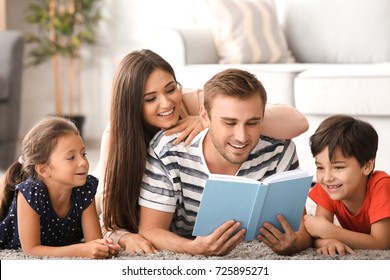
{"x": 7, "y": 154}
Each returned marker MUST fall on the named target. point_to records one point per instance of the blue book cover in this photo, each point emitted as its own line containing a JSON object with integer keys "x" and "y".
{"x": 251, "y": 202}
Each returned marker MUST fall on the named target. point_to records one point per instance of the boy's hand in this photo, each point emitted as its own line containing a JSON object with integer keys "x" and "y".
{"x": 332, "y": 247}
{"x": 318, "y": 227}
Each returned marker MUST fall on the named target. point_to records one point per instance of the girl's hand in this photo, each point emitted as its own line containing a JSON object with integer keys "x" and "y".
{"x": 114, "y": 247}
{"x": 137, "y": 244}
{"x": 96, "y": 249}
{"x": 189, "y": 128}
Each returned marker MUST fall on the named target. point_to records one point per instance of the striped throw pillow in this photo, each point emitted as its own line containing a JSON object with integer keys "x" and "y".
{"x": 248, "y": 31}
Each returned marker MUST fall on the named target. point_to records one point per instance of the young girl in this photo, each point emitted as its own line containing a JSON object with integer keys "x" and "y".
{"x": 146, "y": 97}
{"x": 48, "y": 198}
{"x": 348, "y": 187}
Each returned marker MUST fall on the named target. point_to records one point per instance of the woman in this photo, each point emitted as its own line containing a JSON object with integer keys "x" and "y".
{"x": 146, "y": 98}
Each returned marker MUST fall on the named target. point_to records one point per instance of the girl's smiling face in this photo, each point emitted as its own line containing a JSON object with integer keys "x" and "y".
{"x": 162, "y": 100}
{"x": 68, "y": 164}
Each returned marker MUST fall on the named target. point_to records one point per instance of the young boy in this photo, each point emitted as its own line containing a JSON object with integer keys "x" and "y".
{"x": 347, "y": 186}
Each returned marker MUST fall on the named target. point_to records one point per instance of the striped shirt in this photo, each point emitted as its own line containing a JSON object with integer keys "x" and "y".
{"x": 175, "y": 175}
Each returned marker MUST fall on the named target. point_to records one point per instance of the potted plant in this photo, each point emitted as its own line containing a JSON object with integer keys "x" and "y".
{"x": 64, "y": 27}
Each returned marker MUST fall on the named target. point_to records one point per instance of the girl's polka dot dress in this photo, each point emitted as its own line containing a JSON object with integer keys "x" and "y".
{"x": 55, "y": 231}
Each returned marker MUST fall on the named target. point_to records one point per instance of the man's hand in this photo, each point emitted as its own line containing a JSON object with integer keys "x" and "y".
{"x": 220, "y": 242}
{"x": 286, "y": 243}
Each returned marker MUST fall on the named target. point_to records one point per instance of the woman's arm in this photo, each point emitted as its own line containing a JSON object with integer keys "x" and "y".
{"x": 100, "y": 169}
{"x": 131, "y": 242}
{"x": 283, "y": 121}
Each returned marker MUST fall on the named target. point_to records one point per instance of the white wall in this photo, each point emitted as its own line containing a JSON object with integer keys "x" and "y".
{"x": 129, "y": 26}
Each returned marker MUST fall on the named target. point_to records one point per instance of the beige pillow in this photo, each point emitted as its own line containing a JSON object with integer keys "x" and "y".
{"x": 247, "y": 31}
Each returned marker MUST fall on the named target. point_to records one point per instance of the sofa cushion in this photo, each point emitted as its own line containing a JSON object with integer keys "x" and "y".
{"x": 359, "y": 90}
{"x": 4, "y": 92}
{"x": 248, "y": 32}
{"x": 334, "y": 31}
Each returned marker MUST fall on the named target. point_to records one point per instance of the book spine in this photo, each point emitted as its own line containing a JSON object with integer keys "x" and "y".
{"x": 253, "y": 229}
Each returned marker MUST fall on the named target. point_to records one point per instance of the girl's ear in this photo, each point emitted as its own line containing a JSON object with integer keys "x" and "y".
{"x": 43, "y": 170}
{"x": 204, "y": 117}
{"x": 369, "y": 167}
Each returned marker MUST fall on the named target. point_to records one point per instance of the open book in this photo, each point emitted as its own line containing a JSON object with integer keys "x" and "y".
{"x": 251, "y": 202}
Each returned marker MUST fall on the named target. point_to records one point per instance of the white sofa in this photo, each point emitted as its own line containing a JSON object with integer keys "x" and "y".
{"x": 342, "y": 49}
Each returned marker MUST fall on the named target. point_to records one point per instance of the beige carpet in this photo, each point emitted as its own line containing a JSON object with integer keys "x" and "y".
{"x": 244, "y": 251}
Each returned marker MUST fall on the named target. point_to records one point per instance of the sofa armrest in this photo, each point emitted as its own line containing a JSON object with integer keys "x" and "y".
{"x": 11, "y": 57}
{"x": 182, "y": 46}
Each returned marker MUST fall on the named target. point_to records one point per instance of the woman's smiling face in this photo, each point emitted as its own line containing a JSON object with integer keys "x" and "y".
{"x": 162, "y": 100}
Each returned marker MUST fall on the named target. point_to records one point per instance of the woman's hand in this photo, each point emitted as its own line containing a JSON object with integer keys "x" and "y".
{"x": 189, "y": 128}
{"x": 137, "y": 244}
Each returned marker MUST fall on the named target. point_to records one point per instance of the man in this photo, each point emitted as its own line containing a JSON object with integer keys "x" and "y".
{"x": 232, "y": 144}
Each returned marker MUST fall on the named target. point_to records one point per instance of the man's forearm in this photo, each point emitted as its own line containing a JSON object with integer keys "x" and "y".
{"x": 304, "y": 240}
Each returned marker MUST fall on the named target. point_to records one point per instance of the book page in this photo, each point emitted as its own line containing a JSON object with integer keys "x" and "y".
{"x": 286, "y": 175}
{"x": 232, "y": 178}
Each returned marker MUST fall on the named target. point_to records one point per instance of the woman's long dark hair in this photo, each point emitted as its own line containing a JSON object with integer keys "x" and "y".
{"x": 129, "y": 139}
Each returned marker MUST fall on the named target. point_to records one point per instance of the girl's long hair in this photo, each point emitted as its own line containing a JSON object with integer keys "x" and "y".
{"x": 36, "y": 148}
{"x": 129, "y": 139}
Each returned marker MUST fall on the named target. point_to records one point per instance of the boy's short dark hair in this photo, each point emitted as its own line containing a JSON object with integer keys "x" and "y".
{"x": 355, "y": 138}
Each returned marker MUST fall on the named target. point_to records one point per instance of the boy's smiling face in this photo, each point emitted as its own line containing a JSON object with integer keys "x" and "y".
{"x": 342, "y": 178}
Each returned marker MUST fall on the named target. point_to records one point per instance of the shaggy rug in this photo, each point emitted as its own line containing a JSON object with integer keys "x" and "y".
{"x": 252, "y": 250}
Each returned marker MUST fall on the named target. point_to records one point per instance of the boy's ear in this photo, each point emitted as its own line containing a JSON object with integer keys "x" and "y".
{"x": 43, "y": 170}
{"x": 369, "y": 167}
{"x": 204, "y": 117}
